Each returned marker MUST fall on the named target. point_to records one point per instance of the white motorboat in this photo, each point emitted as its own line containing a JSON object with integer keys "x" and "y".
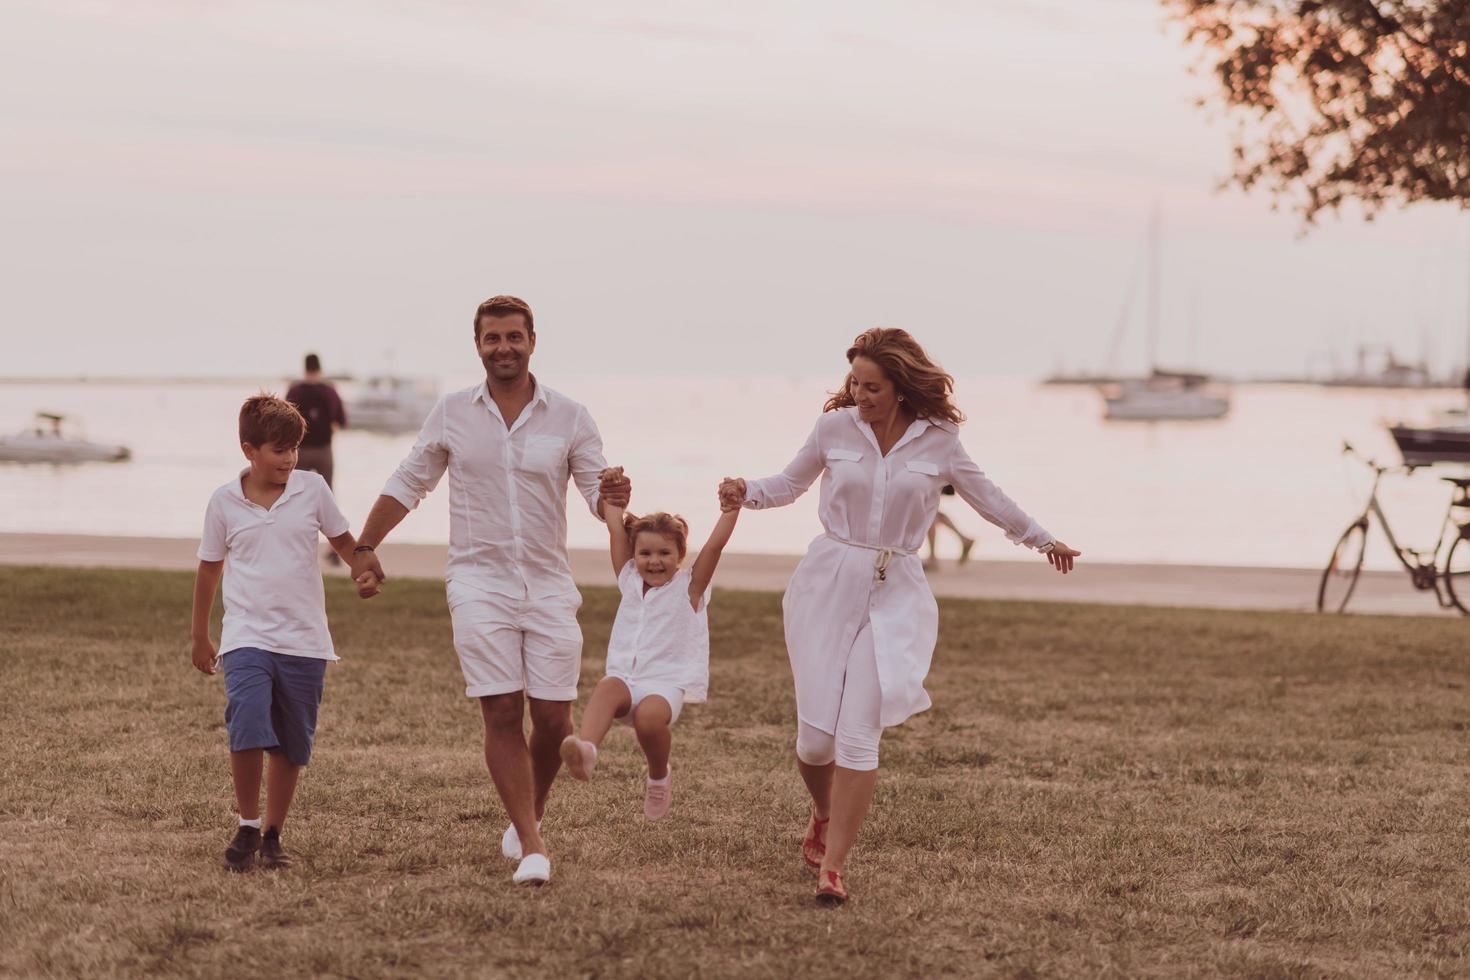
{"x": 387, "y": 403}
{"x": 1165, "y": 395}
{"x": 56, "y": 439}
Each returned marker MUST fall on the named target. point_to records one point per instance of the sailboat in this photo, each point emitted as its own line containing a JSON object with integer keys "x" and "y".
{"x": 1162, "y": 395}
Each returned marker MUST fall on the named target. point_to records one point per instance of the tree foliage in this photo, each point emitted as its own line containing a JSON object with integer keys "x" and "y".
{"x": 1342, "y": 100}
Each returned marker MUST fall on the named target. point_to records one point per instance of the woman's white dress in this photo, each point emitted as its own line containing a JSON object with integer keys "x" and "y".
{"x": 870, "y": 502}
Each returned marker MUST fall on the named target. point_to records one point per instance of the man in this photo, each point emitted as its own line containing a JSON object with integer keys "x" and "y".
{"x": 321, "y": 406}
{"x": 509, "y": 446}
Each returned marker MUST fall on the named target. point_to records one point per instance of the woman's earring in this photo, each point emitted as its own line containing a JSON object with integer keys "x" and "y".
{"x": 900, "y": 398}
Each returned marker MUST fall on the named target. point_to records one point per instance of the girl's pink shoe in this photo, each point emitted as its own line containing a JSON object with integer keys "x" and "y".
{"x": 580, "y": 757}
{"x": 658, "y": 796}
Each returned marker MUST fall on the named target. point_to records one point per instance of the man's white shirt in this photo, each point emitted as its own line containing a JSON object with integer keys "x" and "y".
{"x": 272, "y": 578}
{"x": 507, "y": 487}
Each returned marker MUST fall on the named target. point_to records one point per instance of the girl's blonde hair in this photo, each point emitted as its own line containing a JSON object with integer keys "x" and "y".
{"x": 924, "y": 385}
{"x": 669, "y": 525}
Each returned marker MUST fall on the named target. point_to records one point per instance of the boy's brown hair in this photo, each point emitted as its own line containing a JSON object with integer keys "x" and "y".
{"x": 264, "y": 418}
{"x": 505, "y": 306}
{"x": 671, "y": 526}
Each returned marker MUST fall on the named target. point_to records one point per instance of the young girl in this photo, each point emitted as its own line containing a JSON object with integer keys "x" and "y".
{"x": 658, "y": 654}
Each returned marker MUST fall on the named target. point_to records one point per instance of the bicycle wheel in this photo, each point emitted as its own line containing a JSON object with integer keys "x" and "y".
{"x": 1456, "y": 573}
{"x": 1340, "y": 576}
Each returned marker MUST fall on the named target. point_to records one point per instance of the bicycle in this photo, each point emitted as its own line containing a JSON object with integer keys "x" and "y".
{"x": 1340, "y": 576}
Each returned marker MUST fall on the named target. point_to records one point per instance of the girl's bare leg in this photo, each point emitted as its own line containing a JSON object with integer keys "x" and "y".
{"x": 610, "y": 700}
{"x": 651, "y": 722}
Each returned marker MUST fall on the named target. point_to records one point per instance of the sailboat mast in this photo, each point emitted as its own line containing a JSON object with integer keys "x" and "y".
{"x": 1153, "y": 289}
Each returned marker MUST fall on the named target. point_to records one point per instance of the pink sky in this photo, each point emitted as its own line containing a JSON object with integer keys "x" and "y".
{"x": 744, "y": 185}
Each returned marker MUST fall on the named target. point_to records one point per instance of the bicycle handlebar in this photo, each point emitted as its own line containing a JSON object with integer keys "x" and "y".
{"x": 1373, "y": 464}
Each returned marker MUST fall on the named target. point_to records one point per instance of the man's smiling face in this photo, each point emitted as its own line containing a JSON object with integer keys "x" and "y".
{"x": 505, "y": 345}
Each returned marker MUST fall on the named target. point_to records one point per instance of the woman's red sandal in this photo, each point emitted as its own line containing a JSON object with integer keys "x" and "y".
{"x": 829, "y": 888}
{"x": 813, "y": 847}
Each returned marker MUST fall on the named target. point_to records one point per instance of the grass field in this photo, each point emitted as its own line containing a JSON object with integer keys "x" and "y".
{"x": 1098, "y": 791}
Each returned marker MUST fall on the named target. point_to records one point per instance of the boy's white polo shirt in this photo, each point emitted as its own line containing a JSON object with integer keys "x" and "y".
{"x": 274, "y": 598}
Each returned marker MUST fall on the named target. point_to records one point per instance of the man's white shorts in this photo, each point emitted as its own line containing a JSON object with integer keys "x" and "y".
{"x": 507, "y": 644}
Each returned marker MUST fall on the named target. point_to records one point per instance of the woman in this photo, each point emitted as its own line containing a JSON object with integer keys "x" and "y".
{"x": 860, "y": 620}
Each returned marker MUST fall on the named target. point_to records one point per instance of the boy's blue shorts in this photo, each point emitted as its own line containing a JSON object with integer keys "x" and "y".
{"x": 271, "y": 701}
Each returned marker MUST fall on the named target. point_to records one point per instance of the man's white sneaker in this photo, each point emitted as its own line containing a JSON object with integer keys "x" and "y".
{"x": 510, "y": 842}
{"x": 534, "y": 869}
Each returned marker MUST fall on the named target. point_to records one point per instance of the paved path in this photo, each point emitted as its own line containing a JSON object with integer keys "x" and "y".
{"x": 1160, "y": 585}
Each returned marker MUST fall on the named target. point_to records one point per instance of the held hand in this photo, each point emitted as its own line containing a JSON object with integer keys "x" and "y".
{"x": 614, "y": 487}
{"x": 732, "y": 493}
{"x": 206, "y": 661}
{"x": 367, "y": 572}
{"x": 367, "y": 585}
{"x": 1061, "y": 557}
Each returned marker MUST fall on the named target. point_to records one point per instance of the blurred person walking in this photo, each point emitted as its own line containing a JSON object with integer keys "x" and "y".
{"x": 931, "y": 563}
{"x": 318, "y": 402}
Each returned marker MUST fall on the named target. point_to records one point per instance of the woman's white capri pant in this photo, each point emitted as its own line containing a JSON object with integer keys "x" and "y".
{"x": 859, "y": 717}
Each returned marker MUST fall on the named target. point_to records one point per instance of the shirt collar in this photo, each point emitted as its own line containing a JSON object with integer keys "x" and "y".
{"x": 915, "y": 429}
{"x": 482, "y": 395}
{"x": 294, "y": 484}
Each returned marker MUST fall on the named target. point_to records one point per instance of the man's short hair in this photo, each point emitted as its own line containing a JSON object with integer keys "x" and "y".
{"x": 313, "y": 364}
{"x": 268, "y": 420}
{"x": 505, "y": 306}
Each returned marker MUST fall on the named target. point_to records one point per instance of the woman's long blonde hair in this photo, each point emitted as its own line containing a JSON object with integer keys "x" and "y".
{"x": 924, "y": 385}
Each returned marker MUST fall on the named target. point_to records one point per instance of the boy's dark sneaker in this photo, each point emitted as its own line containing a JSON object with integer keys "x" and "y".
{"x": 272, "y": 858}
{"x": 240, "y": 855}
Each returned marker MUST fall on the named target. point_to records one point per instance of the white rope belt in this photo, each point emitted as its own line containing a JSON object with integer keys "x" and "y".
{"x": 880, "y": 563}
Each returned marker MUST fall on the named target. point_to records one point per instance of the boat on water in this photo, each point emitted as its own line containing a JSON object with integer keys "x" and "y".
{"x": 1444, "y": 439}
{"x": 1428, "y": 445}
{"x": 1161, "y": 396}
{"x": 1379, "y": 367}
{"x": 1165, "y": 396}
{"x": 57, "y": 439}
{"x": 391, "y": 404}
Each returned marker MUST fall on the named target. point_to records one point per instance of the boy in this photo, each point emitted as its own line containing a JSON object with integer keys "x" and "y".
{"x": 260, "y": 533}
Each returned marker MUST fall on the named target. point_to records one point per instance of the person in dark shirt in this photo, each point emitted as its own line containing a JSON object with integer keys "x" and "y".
{"x": 321, "y": 406}
{"x": 318, "y": 403}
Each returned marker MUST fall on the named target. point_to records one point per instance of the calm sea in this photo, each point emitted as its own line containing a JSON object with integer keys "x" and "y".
{"x": 1266, "y": 486}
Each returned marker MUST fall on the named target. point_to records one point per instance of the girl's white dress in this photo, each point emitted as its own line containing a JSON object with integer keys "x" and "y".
{"x": 875, "y": 511}
{"x": 658, "y": 637}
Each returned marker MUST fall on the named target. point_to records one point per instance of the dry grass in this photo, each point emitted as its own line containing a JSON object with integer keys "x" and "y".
{"x": 1098, "y": 791}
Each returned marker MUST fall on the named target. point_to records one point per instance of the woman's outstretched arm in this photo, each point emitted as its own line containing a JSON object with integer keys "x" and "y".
{"x": 991, "y": 503}
{"x": 784, "y": 487}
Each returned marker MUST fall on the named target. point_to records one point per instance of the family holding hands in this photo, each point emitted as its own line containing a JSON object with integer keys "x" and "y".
{"x": 860, "y": 621}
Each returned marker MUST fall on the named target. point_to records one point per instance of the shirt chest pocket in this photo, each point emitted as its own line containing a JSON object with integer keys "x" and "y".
{"x": 842, "y": 457}
{"x": 922, "y": 473}
{"x": 543, "y": 454}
